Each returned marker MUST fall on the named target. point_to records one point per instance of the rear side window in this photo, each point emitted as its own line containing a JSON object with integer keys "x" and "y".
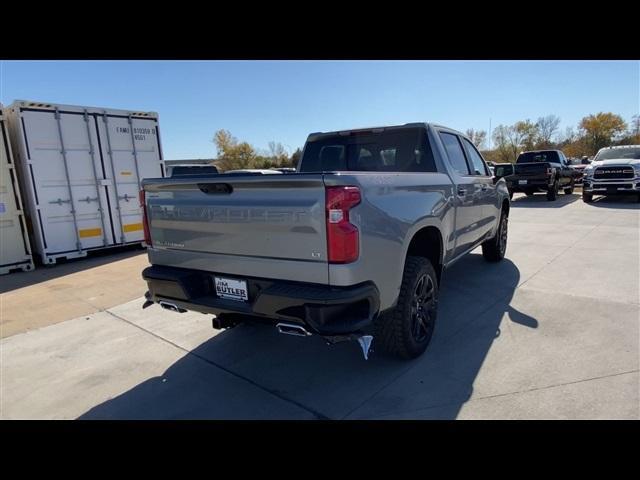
{"x": 454, "y": 152}
{"x": 397, "y": 150}
{"x": 476, "y": 160}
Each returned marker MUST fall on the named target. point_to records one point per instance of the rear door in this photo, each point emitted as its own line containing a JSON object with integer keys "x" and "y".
{"x": 485, "y": 187}
{"x": 468, "y": 191}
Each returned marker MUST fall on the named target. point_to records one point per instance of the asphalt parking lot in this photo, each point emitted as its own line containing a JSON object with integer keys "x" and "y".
{"x": 552, "y": 332}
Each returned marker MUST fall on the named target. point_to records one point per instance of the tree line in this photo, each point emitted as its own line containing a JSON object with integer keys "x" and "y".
{"x": 234, "y": 155}
{"x": 593, "y": 132}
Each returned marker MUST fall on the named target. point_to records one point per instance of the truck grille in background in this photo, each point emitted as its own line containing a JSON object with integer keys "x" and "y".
{"x": 602, "y": 173}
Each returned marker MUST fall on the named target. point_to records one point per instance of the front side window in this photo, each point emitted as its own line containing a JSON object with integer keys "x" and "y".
{"x": 454, "y": 152}
{"x": 476, "y": 160}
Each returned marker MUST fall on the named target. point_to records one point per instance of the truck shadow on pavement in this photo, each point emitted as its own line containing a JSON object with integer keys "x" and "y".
{"x": 252, "y": 372}
{"x": 44, "y": 273}
{"x": 625, "y": 202}
{"x": 539, "y": 200}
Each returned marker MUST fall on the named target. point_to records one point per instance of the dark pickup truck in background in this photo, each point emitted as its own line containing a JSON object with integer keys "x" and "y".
{"x": 543, "y": 170}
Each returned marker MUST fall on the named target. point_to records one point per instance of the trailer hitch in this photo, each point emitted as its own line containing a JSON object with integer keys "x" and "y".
{"x": 363, "y": 340}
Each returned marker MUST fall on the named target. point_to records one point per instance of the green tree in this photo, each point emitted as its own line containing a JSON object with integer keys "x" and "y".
{"x": 546, "y": 129}
{"x": 278, "y": 154}
{"x": 511, "y": 140}
{"x": 599, "y": 130}
{"x": 504, "y": 151}
{"x": 295, "y": 158}
{"x": 525, "y": 135}
{"x": 233, "y": 155}
{"x": 477, "y": 137}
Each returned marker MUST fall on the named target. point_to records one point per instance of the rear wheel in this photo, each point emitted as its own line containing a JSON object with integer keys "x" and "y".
{"x": 406, "y": 330}
{"x": 529, "y": 193}
{"x": 569, "y": 189}
{"x": 587, "y": 197}
{"x": 510, "y": 195}
{"x": 493, "y": 250}
{"x": 552, "y": 193}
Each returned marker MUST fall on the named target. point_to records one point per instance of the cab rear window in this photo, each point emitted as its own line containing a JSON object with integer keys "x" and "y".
{"x": 532, "y": 157}
{"x": 397, "y": 150}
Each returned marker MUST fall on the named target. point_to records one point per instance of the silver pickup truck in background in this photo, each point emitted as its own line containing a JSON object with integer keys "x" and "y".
{"x": 352, "y": 246}
{"x": 614, "y": 171}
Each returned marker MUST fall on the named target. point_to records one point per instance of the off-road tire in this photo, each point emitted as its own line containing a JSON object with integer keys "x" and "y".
{"x": 552, "y": 193}
{"x": 493, "y": 250}
{"x": 394, "y": 329}
{"x": 569, "y": 189}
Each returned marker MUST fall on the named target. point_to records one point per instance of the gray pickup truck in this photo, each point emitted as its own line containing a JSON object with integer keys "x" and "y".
{"x": 352, "y": 246}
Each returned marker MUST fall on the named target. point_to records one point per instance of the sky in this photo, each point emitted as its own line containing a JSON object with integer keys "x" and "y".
{"x": 284, "y": 101}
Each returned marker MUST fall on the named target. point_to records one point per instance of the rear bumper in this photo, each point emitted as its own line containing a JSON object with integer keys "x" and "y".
{"x": 319, "y": 308}
{"x": 532, "y": 183}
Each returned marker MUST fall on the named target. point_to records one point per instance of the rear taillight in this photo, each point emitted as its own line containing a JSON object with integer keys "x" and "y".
{"x": 342, "y": 236}
{"x": 145, "y": 219}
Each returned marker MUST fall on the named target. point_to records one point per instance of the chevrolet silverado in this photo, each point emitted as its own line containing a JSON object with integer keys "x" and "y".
{"x": 352, "y": 246}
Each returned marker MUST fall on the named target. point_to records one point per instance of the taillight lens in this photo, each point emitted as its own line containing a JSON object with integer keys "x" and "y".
{"x": 145, "y": 219}
{"x": 342, "y": 236}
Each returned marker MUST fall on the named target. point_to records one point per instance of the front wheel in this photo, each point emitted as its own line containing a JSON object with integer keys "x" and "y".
{"x": 406, "y": 330}
{"x": 493, "y": 250}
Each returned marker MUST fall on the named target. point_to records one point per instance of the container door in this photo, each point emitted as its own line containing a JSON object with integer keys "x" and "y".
{"x": 131, "y": 150}
{"x": 68, "y": 179}
{"x": 14, "y": 247}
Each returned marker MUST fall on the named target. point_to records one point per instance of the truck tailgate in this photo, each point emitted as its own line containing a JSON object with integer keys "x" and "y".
{"x": 248, "y": 225}
{"x": 533, "y": 168}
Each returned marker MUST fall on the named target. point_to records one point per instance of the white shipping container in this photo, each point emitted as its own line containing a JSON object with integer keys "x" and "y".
{"x": 80, "y": 170}
{"x": 15, "y": 251}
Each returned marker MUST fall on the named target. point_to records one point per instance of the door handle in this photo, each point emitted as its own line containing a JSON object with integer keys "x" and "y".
{"x": 462, "y": 191}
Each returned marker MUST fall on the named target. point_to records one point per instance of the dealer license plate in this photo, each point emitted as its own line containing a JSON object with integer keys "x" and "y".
{"x": 231, "y": 289}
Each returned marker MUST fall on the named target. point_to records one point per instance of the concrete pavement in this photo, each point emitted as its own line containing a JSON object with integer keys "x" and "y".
{"x": 551, "y": 332}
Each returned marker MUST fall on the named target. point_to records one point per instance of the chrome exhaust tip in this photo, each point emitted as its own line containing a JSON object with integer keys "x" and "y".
{"x": 292, "y": 329}
{"x": 171, "y": 306}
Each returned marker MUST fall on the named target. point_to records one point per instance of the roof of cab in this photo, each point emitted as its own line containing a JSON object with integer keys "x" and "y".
{"x": 316, "y": 135}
